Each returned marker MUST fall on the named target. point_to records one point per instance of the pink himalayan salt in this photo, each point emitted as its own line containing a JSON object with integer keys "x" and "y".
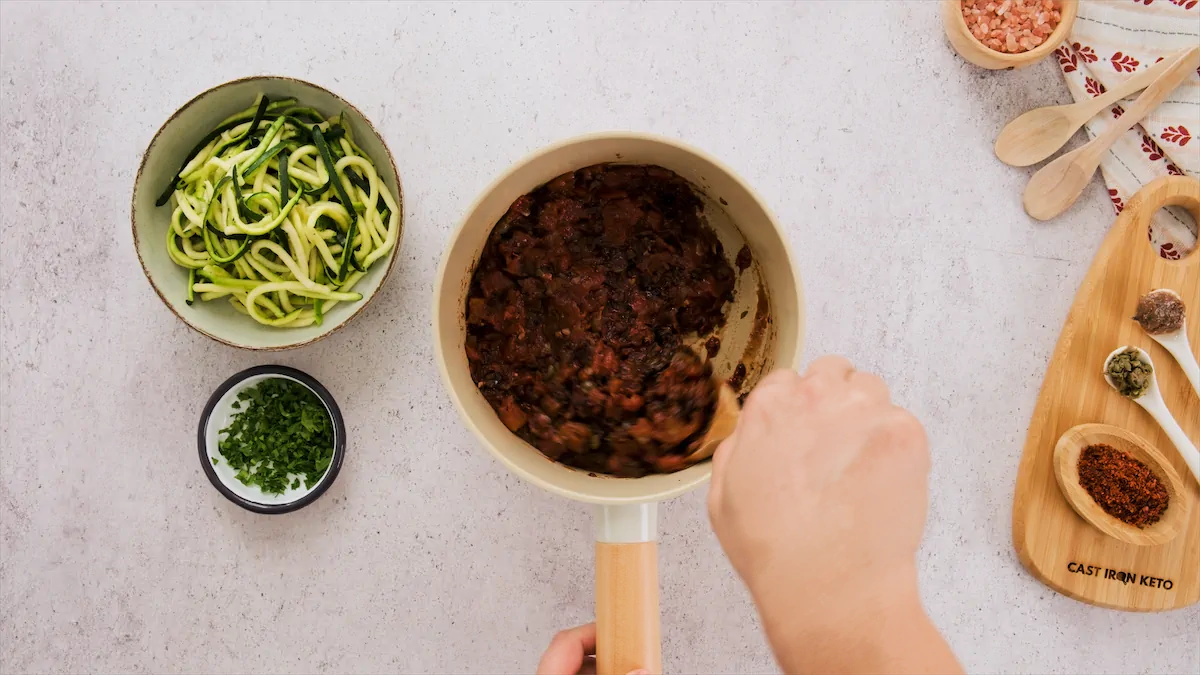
{"x": 1012, "y": 26}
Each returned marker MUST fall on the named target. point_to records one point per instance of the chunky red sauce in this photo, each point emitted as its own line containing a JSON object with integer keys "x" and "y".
{"x": 577, "y": 312}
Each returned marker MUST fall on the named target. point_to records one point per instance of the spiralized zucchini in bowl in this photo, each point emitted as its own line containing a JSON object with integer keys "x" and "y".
{"x": 280, "y": 213}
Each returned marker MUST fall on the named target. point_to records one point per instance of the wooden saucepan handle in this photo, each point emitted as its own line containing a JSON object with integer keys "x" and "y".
{"x": 628, "y": 633}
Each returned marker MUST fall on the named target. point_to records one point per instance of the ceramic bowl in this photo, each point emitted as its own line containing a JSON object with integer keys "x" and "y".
{"x": 983, "y": 56}
{"x": 764, "y": 329}
{"x": 219, "y": 412}
{"x": 218, "y": 319}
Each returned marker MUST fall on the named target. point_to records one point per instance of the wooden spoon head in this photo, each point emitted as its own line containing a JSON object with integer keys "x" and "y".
{"x": 1056, "y": 186}
{"x": 1036, "y": 135}
{"x": 724, "y": 421}
{"x": 1066, "y": 472}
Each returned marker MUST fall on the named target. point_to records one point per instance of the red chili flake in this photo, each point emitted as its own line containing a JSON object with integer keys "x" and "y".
{"x": 1124, "y": 487}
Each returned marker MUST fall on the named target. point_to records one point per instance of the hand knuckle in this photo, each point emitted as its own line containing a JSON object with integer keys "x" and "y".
{"x": 906, "y": 432}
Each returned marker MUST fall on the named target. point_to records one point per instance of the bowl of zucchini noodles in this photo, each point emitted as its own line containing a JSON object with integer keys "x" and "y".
{"x": 266, "y": 212}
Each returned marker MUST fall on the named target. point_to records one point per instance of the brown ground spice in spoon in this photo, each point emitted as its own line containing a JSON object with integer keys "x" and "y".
{"x": 1160, "y": 312}
{"x": 1124, "y": 487}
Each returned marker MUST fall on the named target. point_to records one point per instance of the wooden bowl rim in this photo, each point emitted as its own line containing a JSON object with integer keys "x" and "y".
{"x": 1057, "y": 37}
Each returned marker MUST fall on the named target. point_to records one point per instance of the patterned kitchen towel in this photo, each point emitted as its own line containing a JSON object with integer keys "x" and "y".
{"x": 1111, "y": 40}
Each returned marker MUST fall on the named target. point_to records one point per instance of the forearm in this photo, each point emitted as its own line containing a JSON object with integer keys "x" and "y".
{"x": 872, "y": 633}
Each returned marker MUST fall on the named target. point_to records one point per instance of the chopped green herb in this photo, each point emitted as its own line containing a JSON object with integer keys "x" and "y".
{"x": 214, "y": 460}
{"x": 283, "y": 435}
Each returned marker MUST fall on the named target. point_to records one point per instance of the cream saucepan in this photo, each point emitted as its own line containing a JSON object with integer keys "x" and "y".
{"x": 763, "y": 331}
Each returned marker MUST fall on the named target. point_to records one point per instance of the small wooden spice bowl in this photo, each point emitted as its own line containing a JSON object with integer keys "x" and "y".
{"x": 971, "y": 49}
{"x": 1066, "y": 471}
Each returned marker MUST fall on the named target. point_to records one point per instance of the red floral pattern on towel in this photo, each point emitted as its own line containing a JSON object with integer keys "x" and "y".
{"x": 1178, "y": 135}
{"x": 1066, "y": 59}
{"x": 1086, "y": 54}
{"x": 1151, "y": 148}
{"x": 1117, "y": 202}
{"x": 1124, "y": 63}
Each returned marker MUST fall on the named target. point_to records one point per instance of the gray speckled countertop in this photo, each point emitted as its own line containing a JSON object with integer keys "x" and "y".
{"x": 860, "y": 127}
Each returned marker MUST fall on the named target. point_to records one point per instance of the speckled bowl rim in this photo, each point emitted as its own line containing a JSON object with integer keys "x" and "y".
{"x": 339, "y": 439}
{"x": 137, "y": 182}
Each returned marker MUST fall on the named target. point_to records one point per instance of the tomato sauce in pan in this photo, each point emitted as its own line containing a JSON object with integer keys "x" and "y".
{"x": 577, "y": 312}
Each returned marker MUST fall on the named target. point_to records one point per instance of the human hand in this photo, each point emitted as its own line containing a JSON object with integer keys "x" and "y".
{"x": 572, "y": 651}
{"x": 819, "y": 499}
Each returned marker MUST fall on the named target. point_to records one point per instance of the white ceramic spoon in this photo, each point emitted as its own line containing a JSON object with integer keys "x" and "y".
{"x": 1152, "y": 401}
{"x": 1176, "y": 342}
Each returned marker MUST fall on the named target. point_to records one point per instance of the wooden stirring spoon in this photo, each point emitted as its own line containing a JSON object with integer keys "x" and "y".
{"x": 1056, "y": 186}
{"x": 724, "y": 421}
{"x": 1041, "y": 132}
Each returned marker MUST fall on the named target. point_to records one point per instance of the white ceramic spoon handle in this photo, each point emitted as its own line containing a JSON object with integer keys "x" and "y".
{"x": 1158, "y": 410}
{"x": 1187, "y": 362}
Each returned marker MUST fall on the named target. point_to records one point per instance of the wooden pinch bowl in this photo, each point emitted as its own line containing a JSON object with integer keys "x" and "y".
{"x": 1066, "y": 471}
{"x": 983, "y": 56}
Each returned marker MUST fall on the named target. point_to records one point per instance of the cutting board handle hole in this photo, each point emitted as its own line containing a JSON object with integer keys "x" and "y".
{"x": 1171, "y": 232}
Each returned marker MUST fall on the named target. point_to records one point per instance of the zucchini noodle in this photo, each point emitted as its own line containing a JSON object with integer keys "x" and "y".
{"x": 280, "y": 213}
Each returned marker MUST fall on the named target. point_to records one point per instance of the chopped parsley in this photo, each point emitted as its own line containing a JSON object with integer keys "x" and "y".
{"x": 281, "y": 437}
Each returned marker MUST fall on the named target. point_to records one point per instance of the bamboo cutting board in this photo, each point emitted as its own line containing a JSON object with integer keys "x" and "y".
{"x": 1056, "y": 545}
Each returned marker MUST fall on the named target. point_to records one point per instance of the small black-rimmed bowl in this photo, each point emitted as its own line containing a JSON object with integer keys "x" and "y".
{"x": 219, "y": 411}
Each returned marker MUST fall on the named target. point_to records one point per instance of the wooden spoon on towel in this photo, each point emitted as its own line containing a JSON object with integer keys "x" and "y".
{"x": 1056, "y": 186}
{"x": 1041, "y": 132}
